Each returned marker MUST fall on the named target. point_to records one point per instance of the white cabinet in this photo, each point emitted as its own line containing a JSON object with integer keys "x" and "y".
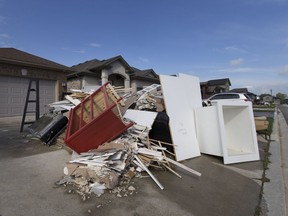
{"x": 227, "y": 129}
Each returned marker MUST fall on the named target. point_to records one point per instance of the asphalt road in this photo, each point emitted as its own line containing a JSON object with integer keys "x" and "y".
{"x": 284, "y": 110}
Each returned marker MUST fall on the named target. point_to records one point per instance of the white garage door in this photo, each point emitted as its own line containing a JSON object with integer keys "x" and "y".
{"x": 13, "y": 92}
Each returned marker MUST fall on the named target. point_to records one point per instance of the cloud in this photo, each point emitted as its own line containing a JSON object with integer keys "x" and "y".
{"x": 246, "y": 70}
{"x": 275, "y": 86}
{"x": 95, "y": 44}
{"x": 268, "y": 1}
{"x": 285, "y": 42}
{"x": 3, "y": 44}
{"x": 235, "y": 49}
{"x": 4, "y": 36}
{"x": 2, "y": 20}
{"x": 6, "y": 41}
{"x": 261, "y": 87}
{"x": 284, "y": 70}
{"x": 236, "y": 62}
{"x": 145, "y": 60}
{"x": 79, "y": 51}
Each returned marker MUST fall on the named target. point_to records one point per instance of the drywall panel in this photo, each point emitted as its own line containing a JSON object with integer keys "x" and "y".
{"x": 193, "y": 90}
{"x": 208, "y": 130}
{"x": 144, "y": 118}
{"x": 237, "y": 128}
{"x": 182, "y": 124}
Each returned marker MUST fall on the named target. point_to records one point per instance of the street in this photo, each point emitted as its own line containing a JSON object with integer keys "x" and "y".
{"x": 284, "y": 110}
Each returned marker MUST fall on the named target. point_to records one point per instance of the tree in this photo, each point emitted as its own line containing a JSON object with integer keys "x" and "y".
{"x": 281, "y": 96}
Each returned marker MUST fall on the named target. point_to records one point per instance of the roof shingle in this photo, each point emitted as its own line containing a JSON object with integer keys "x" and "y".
{"x": 15, "y": 56}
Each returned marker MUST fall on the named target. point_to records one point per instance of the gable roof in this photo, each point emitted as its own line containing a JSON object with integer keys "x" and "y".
{"x": 95, "y": 65}
{"x": 148, "y": 74}
{"x": 243, "y": 90}
{"x": 106, "y": 62}
{"x": 86, "y": 66}
{"x": 15, "y": 56}
{"x": 239, "y": 90}
{"x": 219, "y": 82}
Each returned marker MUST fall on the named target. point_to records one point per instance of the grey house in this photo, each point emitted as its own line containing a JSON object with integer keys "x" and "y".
{"x": 115, "y": 70}
{"x": 245, "y": 91}
{"x": 212, "y": 87}
{"x": 16, "y": 68}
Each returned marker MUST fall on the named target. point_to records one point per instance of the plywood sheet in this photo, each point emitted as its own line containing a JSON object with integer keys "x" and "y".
{"x": 182, "y": 124}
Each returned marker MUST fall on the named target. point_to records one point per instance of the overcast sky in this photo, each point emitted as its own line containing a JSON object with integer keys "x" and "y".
{"x": 243, "y": 40}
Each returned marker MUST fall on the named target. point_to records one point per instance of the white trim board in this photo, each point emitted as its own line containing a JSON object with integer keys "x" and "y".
{"x": 181, "y": 123}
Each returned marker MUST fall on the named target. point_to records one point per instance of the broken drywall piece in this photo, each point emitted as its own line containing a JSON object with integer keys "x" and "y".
{"x": 111, "y": 179}
{"x": 97, "y": 188}
{"x": 182, "y": 125}
{"x": 111, "y": 145}
{"x": 144, "y": 118}
{"x": 70, "y": 168}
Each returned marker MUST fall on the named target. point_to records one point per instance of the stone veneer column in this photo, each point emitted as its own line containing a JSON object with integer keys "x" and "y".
{"x": 104, "y": 76}
{"x": 127, "y": 84}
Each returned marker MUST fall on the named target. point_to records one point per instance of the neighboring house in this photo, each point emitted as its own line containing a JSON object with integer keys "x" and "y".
{"x": 212, "y": 87}
{"x": 268, "y": 98}
{"x": 16, "y": 67}
{"x": 245, "y": 91}
{"x": 116, "y": 70}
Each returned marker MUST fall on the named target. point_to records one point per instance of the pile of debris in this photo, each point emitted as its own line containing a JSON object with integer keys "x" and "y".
{"x": 97, "y": 166}
{"x": 116, "y": 134}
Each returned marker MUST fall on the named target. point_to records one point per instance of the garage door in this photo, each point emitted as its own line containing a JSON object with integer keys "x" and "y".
{"x": 13, "y": 92}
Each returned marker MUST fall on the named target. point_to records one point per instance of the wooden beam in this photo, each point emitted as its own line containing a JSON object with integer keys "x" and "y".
{"x": 183, "y": 166}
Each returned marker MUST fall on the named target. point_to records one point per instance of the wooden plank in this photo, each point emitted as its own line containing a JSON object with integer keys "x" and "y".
{"x": 183, "y": 166}
{"x": 72, "y": 100}
{"x": 149, "y": 173}
{"x": 172, "y": 171}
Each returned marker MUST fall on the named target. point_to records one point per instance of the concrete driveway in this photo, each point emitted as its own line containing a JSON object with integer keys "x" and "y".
{"x": 29, "y": 170}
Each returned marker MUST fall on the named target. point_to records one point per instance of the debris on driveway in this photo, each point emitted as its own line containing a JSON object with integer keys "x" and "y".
{"x": 117, "y": 135}
{"x": 120, "y": 160}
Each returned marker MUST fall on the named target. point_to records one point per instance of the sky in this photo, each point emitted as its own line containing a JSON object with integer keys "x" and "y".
{"x": 243, "y": 40}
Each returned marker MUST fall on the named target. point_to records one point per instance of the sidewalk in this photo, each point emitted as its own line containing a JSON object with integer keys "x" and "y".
{"x": 275, "y": 191}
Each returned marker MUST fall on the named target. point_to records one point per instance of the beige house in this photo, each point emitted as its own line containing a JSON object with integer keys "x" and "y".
{"x": 116, "y": 70}
{"x": 16, "y": 69}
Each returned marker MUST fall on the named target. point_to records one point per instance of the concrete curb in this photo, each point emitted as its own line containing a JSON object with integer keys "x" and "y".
{"x": 274, "y": 191}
